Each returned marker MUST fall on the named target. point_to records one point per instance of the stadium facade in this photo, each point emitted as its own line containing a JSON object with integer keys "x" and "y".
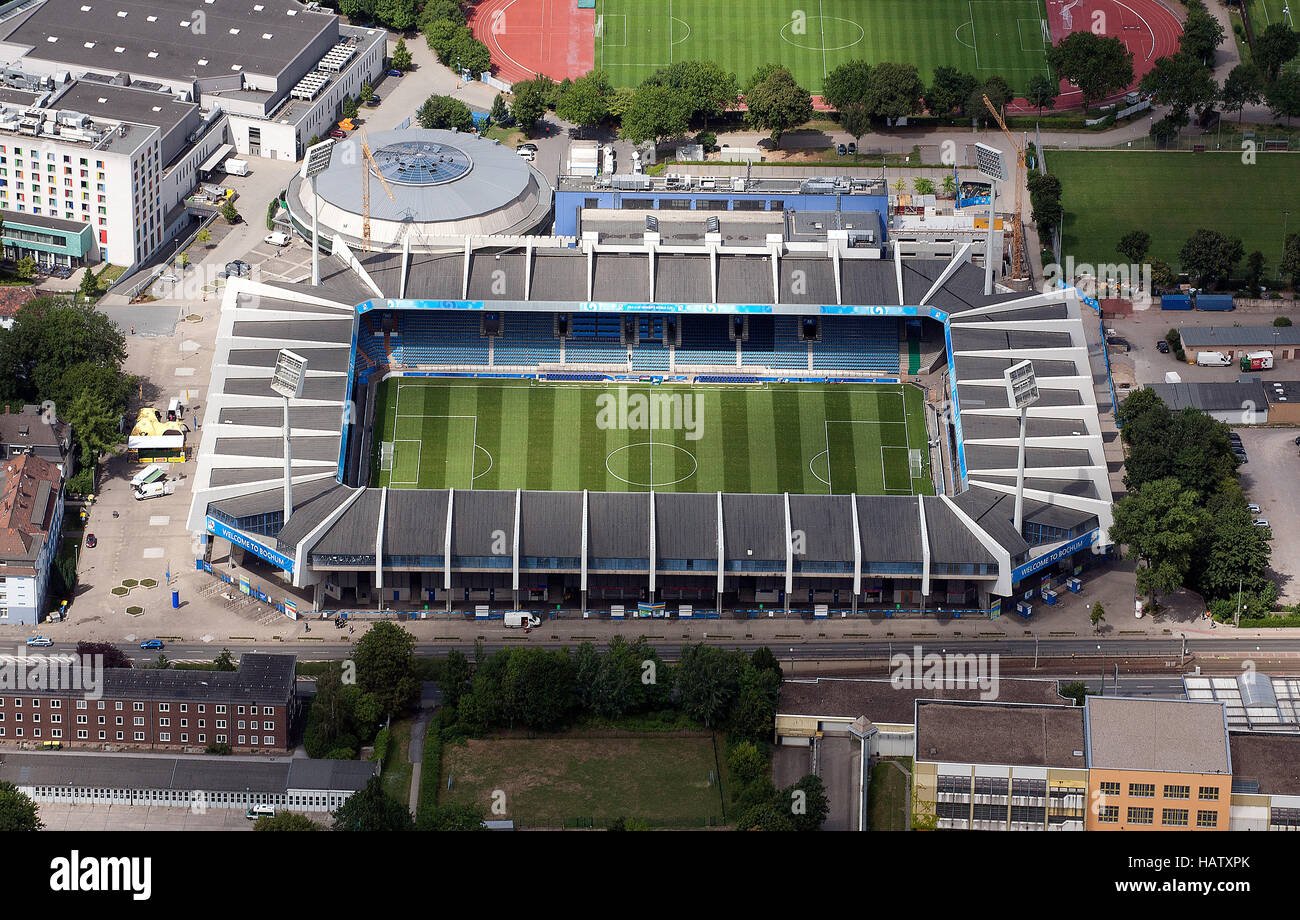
{"x": 613, "y": 311}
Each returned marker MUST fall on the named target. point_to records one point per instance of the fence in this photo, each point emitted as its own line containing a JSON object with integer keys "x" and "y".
{"x": 1228, "y": 141}
{"x": 289, "y": 608}
{"x": 495, "y": 83}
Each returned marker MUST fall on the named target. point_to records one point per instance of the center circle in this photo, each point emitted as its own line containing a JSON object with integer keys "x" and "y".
{"x": 787, "y": 33}
{"x": 695, "y": 464}
{"x": 421, "y": 163}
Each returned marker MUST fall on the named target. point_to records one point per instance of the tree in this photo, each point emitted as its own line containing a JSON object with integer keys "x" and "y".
{"x": 949, "y": 185}
{"x": 1045, "y": 200}
{"x": 456, "y": 680}
{"x": 286, "y": 821}
{"x": 1161, "y": 523}
{"x": 446, "y": 113}
{"x": 435, "y": 10}
{"x": 1234, "y": 553}
{"x": 163, "y": 662}
{"x": 703, "y": 87}
{"x": 531, "y": 101}
{"x": 440, "y": 34}
{"x": 893, "y": 91}
{"x": 776, "y": 103}
{"x": 708, "y": 678}
{"x": 1164, "y": 130}
{"x": 846, "y": 88}
{"x": 468, "y": 53}
{"x": 655, "y": 112}
{"x": 500, "y": 113}
{"x": 49, "y": 336}
{"x": 451, "y": 818}
{"x": 89, "y": 285}
{"x": 225, "y": 661}
{"x": 765, "y": 817}
{"x": 1099, "y": 66}
{"x": 372, "y": 810}
{"x": 1042, "y": 92}
{"x": 398, "y": 15}
{"x": 951, "y": 88}
{"x": 583, "y": 101}
{"x": 25, "y": 267}
{"x": 367, "y": 91}
{"x": 1181, "y": 82}
{"x": 1243, "y": 86}
{"x": 746, "y": 764}
{"x": 1283, "y": 95}
{"x": 1134, "y": 246}
{"x": 204, "y": 236}
{"x": 809, "y": 806}
{"x": 17, "y": 811}
{"x": 1255, "y": 267}
{"x": 764, "y": 660}
{"x": 385, "y": 658}
{"x": 1273, "y": 47}
{"x": 1097, "y": 616}
{"x": 1188, "y": 445}
{"x": 111, "y": 655}
{"x": 401, "y": 56}
{"x": 998, "y": 92}
{"x": 357, "y": 10}
{"x": 1202, "y": 33}
{"x": 1075, "y": 690}
{"x": 1162, "y": 275}
{"x": 754, "y": 712}
{"x": 1290, "y": 265}
{"x": 350, "y": 107}
{"x": 94, "y": 425}
{"x": 1209, "y": 256}
{"x": 228, "y": 213}
{"x": 923, "y": 186}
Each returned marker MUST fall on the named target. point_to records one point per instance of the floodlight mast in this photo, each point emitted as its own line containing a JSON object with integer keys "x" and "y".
{"x": 287, "y": 380}
{"x": 316, "y": 161}
{"x": 989, "y": 163}
{"x": 1022, "y": 392}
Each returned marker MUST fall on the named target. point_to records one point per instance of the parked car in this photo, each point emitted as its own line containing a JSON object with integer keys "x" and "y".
{"x": 841, "y": 150}
{"x": 337, "y": 134}
{"x": 169, "y": 278}
{"x": 853, "y": 148}
{"x": 151, "y": 644}
{"x": 373, "y": 102}
{"x": 41, "y": 641}
{"x": 238, "y": 268}
{"x": 1297, "y": 441}
{"x": 91, "y": 541}
{"x": 1162, "y": 346}
{"x": 393, "y": 73}
{"x": 276, "y": 239}
{"x": 1253, "y": 508}
{"x": 1260, "y": 522}
{"x": 527, "y": 151}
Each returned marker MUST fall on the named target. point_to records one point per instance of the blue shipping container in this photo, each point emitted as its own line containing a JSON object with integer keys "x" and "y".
{"x": 1175, "y": 302}
{"x": 1214, "y": 302}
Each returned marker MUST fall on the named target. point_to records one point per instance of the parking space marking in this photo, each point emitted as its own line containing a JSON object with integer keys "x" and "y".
{"x": 184, "y": 372}
{"x": 153, "y": 552}
{"x": 159, "y": 520}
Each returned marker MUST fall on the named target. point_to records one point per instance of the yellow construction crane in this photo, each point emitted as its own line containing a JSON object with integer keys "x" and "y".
{"x": 365, "y": 191}
{"x": 1017, "y": 235}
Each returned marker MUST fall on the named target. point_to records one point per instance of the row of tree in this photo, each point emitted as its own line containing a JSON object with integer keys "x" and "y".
{"x": 1185, "y": 517}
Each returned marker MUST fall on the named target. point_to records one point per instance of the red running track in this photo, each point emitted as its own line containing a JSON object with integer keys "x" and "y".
{"x": 531, "y": 37}
{"x": 1146, "y": 27}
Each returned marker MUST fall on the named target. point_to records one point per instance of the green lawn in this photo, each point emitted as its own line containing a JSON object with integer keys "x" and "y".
{"x": 397, "y": 769}
{"x": 1169, "y": 195}
{"x": 984, "y": 37}
{"x": 799, "y": 438}
{"x": 887, "y": 796}
{"x": 586, "y": 781}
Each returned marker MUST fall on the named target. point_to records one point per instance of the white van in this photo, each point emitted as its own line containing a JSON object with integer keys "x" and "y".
{"x": 1212, "y": 359}
{"x": 154, "y": 489}
{"x": 521, "y": 618}
{"x": 276, "y": 239}
{"x": 260, "y": 811}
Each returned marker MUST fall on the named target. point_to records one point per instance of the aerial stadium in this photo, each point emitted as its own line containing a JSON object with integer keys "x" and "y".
{"x": 690, "y": 425}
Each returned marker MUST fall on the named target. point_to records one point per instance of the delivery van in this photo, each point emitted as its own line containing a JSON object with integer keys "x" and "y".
{"x": 1212, "y": 359}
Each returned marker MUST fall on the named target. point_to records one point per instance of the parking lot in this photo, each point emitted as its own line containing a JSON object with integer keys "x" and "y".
{"x": 1269, "y": 481}
{"x": 60, "y": 816}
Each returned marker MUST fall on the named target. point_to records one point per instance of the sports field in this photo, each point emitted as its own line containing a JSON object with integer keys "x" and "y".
{"x": 1264, "y": 13}
{"x": 442, "y": 433}
{"x": 1171, "y": 194}
{"x": 984, "y": 37}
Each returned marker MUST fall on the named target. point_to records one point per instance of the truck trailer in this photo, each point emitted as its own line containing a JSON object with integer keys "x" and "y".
{"x": 1257, "y": 361}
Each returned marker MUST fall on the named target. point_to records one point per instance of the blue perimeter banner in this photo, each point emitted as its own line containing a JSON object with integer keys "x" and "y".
{"x": 1024, "y": 571}
{"x": 216, "y": 528}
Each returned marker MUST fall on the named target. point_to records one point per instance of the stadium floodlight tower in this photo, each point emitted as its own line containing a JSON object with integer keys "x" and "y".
{"x": 314, "y": 163}
{"x": 290, "y": 371}
{"x": 990, "y": 165}
{"x": 1022, "y": 392}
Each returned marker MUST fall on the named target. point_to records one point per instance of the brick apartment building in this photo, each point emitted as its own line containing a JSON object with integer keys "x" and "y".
{"x": 250, "y": 709}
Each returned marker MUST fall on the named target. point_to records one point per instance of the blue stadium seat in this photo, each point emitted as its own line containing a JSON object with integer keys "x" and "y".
{"x": 704, "y": 341}
{"x": 867, "y": 345}
{"x": 529, "y": 340}
{"x": 774, "y": 342}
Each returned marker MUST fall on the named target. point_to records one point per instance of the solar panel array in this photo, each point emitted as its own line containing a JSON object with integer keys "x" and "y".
{"x": 417, "y": 163}
{"x": 1251, "y": 710}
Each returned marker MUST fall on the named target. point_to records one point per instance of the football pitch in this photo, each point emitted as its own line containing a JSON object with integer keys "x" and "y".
{"x": 634, "y": 38}
{"x": 1171, "y": 194}
{"x": 440, "y": 433}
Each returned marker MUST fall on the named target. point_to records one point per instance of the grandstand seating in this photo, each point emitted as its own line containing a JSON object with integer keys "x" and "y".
{"x": 857, "y": 344}
{"x": 438, "y": 337}
{"x": 529, "y": 340}
{"x": 647, "y": 358}
{"x": 578, "y": 351}
{"x": 774, "y": 342}
{"x": 595, "y": 327}
{"x": 704, "y": 341}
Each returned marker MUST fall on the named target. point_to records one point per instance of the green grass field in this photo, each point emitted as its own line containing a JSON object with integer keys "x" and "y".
{"x": 669, "y": 781}
{"x": 1170, "y": 195}
{"x": 508, "y": 434}
{"x": 984, "y": 37}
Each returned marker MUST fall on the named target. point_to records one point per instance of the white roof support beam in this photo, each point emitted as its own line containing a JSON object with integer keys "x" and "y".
{"x": 585, "y": 538}
{"x": 446, "y": 543}
{"x": 721, "y": 548}
{"x": 898, "y": 271}
{"x": 379, "y": 541}
{"x": 1002, "y": 555}
{"x": 654, "y": 554}
{"x": 789, "y": 552}
{"x": 949, "y": 270}
{"x": 857, "y": 546}
{"x": 519, "y": 506}
{"x": 464, "y": 271}
{"x": 925, "y": 547}
{"x": 406, "y": 265}
{"x": 528, "y": 269}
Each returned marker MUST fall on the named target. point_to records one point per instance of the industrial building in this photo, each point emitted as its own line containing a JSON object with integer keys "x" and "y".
{"x": 1243, "y": 402}
{"x": 1234, "y": 341}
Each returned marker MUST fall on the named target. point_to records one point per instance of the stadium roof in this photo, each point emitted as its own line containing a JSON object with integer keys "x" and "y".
{"x": 1067, "y": 486}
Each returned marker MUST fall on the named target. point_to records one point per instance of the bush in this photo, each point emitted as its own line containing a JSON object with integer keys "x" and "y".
{"x": 431, "y": 768}
{"x": 271, "y": 210}
{"x": 218, "y": 748}
{"x": 83, "y": 483}
{"x": 707, "y": 139}
{"x": 1282, "y": 321}
{"x": 383, "y": 741}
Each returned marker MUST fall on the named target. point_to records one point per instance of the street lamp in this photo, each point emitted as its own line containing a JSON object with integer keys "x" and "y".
{"x": 290, "y": 371}
{"x": 316, "y": 161}
{"x": 1022, "y": 392}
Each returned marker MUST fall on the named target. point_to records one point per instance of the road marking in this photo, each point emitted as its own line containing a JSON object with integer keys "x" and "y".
{"x": 184, "y": 372}
{"x": 153, "y": 552}
{"x": 159, "y": 520}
